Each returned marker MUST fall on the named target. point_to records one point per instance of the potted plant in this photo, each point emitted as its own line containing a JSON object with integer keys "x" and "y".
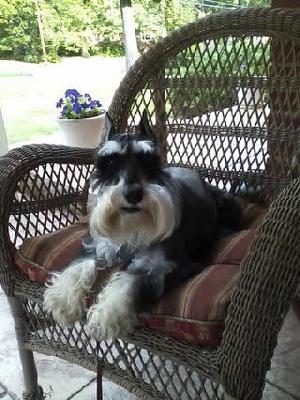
{"x": 81, "y": 119}
{"x": 248, "y": 96}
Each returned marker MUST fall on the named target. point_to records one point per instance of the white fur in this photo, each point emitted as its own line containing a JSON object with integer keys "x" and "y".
{"x": 156, "y": 220}
{"x": 94, "y": 192}
{"x": 106, "y": 251}
{"x": 110, "y": 147}
{"x": 114, "y": 313}
{"x": 142, "y": 146}
{"x": 65, "y": 298}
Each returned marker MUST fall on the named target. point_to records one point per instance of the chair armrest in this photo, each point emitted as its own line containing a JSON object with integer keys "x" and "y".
{"x": 36, "y": 180}
{"x": 270, "y": 274}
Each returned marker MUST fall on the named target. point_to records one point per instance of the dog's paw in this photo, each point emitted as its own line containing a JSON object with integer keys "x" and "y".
{"x": 153, "y": 268}
{"x": 58, "y": 301}
{"x": 105, "y": 323}
{"x": 114, "y": 313}
{"x": 65, "y": 297}
{"x": 107, "y": 252}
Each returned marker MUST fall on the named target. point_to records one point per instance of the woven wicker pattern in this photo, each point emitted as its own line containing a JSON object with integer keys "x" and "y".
{"x": 46, "y": 189}
{"x": 196, "y": 90}
{"x": 158, "y": 372}
{"x": 272, "y": 270}
{"x": 223, "y": 94}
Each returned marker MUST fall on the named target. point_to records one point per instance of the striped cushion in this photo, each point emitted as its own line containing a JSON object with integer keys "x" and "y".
{"x": 37, "y": 257}
{"x": 194, "y": 311}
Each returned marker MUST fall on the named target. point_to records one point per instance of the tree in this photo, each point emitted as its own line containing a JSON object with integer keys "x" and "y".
{"x": 82, "y": 27}
{"x": 166, "y": 15}
{"x": 19, "y": 38}
{"x": 177, "y": 13}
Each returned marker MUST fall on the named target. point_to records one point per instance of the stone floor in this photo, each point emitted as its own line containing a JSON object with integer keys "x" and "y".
{"x": 64, "y": 381}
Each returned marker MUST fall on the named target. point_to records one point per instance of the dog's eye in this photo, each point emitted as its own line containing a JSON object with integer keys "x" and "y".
{"x": 109, "y": 164}
{"x": 113, "y": 160}
{"x": 149, "y": 162}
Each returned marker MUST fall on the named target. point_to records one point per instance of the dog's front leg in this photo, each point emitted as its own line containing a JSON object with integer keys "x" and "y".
{"x": 115, "y": 312}
{"x": 65, "y": 298}
{"x": 153, "y": 266}
{"x": 103, "y": 249}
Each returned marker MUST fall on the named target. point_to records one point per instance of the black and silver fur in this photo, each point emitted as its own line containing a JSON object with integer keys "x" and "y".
{"x": 161, "y": 221}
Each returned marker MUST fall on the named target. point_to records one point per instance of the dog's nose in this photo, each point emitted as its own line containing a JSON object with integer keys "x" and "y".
{"x": 133, "y": 193}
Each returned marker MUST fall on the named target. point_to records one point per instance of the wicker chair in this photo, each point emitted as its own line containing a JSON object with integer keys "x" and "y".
{"x": 195, "y": 84}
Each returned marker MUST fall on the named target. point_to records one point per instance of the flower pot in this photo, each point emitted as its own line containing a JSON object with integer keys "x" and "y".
{"x": 249, "y": 97}
{"x": 85, "y": 132}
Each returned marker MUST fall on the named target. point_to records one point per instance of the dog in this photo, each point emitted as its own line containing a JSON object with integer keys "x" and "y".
{"x": 160, "y": 221}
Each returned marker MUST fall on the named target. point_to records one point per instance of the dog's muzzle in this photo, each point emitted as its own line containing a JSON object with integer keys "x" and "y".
{"x": 133, "y": 194}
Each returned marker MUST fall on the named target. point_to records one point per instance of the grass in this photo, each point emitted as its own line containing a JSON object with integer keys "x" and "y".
{"x": 21, "y": 129}
{"x": 13, "y": 74}
{"x": 25, "y": 115}
{"x": 24, "y": 118}
{"x": 29, "y": 92}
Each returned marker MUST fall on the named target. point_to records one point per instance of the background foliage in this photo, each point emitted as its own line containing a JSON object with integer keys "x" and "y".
{"x": 87, "y": 27}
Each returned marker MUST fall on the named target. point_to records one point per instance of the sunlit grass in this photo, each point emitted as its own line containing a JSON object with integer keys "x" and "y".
{"x": 29, "y": 92}
{"x": 23, "y": 129}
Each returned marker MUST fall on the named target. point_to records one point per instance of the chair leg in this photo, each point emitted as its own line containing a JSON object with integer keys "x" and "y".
{"x": 99, "y": 390}
{"x": 32, "y": 390}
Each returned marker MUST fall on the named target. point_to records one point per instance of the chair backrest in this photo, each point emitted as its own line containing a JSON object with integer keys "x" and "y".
{"x": 223, "y": 96}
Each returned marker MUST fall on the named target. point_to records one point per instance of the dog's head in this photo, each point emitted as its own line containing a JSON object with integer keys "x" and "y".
{"x": 133, "y": 205}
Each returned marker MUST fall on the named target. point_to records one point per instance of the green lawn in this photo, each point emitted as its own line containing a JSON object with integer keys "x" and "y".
{"x": 13, "y": 74}
{"x": 27, "y": 112}
{"x": 25, "y": 129}
{"x": 29, "y": 92}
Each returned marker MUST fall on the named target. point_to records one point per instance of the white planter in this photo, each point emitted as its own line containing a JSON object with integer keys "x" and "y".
{"x": 84, "y": 132}
{"x": 249, "y": 97}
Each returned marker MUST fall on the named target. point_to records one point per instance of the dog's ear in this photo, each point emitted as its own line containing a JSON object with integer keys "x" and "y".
{"x": 108, "y": 130}
{"x": 144, "y": 128}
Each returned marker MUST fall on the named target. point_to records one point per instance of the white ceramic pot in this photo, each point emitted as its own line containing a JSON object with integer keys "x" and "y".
{"x": 84, "y": 132}
{"x": 249, "y": 97}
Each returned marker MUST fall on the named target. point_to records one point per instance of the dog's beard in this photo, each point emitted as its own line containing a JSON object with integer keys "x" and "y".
{"x": 155, "y": 220}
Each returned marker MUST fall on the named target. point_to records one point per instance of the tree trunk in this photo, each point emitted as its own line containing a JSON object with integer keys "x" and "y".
{"x": 131, "y": 50}
{"x": 41, "y": 31}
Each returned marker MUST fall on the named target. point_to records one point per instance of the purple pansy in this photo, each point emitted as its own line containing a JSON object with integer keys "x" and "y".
{"x": 72, "y": 93}
{"x": 64, "y": 111}
{"x": 95, "y": 104}
{"x": 77, "y": 105}
{"x": 59, "y": 103}
{"x": 77, "y": 108}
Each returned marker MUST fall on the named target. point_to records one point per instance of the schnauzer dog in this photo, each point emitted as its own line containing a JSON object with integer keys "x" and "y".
{"x": 161, "y": 220}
